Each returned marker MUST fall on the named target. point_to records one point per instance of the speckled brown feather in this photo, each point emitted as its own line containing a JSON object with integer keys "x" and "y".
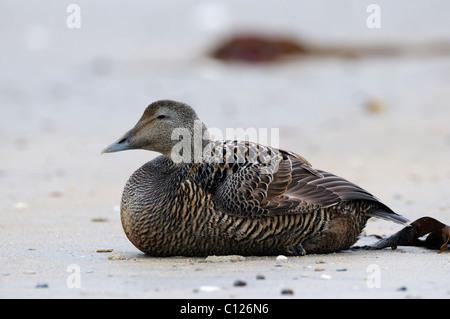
{"x": 295, "y": 187}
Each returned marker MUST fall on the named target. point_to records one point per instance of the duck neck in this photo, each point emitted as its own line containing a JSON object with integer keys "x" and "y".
{"x": 189, "y": 144}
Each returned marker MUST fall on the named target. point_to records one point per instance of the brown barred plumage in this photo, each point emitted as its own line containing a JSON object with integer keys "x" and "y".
{"x": 235, "y": 200}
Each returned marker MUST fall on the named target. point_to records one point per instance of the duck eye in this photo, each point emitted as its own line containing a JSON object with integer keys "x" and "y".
{"x": 161, "y": 117}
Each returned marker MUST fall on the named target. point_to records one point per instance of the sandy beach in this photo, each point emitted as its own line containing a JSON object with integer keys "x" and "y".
{"x": 381, "y": 122}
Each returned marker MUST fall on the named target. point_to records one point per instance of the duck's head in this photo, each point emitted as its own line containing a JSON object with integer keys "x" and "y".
{"x": 163, "y": 124}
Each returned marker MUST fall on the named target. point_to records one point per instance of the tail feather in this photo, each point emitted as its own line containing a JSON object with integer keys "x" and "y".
{"x": 386, "y": 213}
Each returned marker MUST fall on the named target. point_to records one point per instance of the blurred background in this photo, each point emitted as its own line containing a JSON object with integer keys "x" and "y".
{"x": 370, "y": 104}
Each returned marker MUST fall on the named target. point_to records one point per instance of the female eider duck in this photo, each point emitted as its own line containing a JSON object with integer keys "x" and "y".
{"x": 221, "y": 198}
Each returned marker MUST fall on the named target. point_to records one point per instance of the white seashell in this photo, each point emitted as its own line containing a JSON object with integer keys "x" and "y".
{"x": 208, "y": 288}
{"x": 281, "y": 258}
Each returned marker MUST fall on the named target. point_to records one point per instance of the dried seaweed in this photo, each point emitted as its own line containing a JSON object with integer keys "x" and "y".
{"x": 437, "y": 236}
{"x": 253, "y": 48}
{"x": 446, "y": 238}
{"x": 262, "y": 48}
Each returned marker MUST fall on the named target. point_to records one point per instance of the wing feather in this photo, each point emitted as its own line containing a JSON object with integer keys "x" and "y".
{"x": 294, "y": 188}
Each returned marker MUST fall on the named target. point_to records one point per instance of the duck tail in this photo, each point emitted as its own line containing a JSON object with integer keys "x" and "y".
{"x": 386, "y": 213}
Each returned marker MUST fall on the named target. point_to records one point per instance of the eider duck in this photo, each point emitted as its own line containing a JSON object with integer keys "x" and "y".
{"x": 202, "y": 197}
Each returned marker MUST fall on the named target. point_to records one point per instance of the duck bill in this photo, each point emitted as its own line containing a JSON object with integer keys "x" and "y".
{"x": 121, "y": 144}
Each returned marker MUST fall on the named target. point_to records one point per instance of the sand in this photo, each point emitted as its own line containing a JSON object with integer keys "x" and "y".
{"x": 382, "y": 123}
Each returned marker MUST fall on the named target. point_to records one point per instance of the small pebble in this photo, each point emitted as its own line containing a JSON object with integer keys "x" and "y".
{"x": 281, "y": 258}
{"x": 326, "y": 277}
{"x": 319, "y": 269}
{"x": 239, "y": 283}
{"x": 99, "y": 219}
{"x": 320, "y": 262}
{"x": 20, "y": 205}
{"x": 56, "y": 194}
{"x": 116, "y": 255}
{"x": 208, "y": 288}
{"x": 260, "y": 277}
{"x": 376, "y": 106}
{"x": 287, "y": 291}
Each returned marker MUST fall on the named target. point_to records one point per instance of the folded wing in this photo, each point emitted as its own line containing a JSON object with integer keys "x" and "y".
{"x": 249, "y": 189}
